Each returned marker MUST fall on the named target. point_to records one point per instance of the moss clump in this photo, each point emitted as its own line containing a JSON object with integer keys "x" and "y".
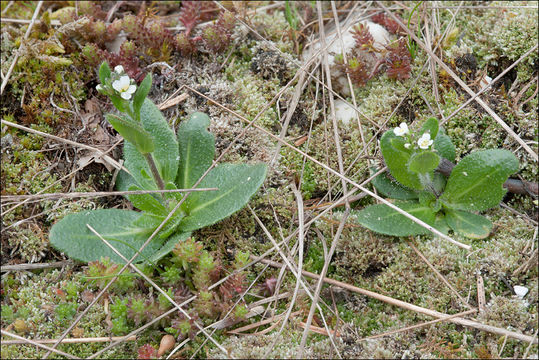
{"x": 283, "y": 346}
{"x": 44, "y": 310}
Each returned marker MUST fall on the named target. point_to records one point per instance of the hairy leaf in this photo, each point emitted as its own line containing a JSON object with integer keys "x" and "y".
{"x": 430, "y": 126}
{"x": 71, "y": 235}
{"x": 141, "y": 93}
{"x": 468, "y": 224}
{"x": 166, "y": 149}
{"x": 197, "y": 149}
{"x": 423, "y": 162}
{"x": 444, "y": 146}
{"x": 392, "y": 189}
{"x": 396, "y": 157}
{"x": 476, "y": 181}
{"x": 132, "y": 132}
{"x": 385, "y": 220}
{"x": 146, "y": 202}
{"x": 236, "y": 184}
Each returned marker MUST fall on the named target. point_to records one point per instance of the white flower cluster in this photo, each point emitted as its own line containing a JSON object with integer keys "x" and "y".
{"x": 124, "y": 85}
{"x": 424, "y": 141}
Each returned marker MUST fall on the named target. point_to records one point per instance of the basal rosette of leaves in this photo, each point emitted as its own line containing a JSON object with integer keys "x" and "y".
{"x": 156, "y": 158}
{"x": 475, "y": 184}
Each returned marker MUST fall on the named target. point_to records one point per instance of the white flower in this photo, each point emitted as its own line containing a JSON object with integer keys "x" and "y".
{"x": 124, "y": 87}
{"x": 99, "y": 87}
{"x": 407, "y": 145}
{"x": 119, "y": 69}
{"x": 401, "y": 129}
{"x": 424, "y": 141}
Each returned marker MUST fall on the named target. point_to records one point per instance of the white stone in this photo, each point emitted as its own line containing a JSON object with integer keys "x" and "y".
{"x": 378, "y": 32}
{"x": 344, "y": 112}
{"x": 521, "y": 291}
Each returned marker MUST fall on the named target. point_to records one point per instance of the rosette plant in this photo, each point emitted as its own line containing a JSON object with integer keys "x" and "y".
{"x": 156, "y": 159}
{"x": 475, "y": 184}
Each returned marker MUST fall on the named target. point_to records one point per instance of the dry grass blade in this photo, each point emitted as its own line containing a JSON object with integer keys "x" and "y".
{"x": 418, "y": 309}
{"x": 417, "y": 326}
{"x": 71, "y": 340}
{"x": 20, "y": 267}
{"x": 71, "y": 195}
{"x": 32, "y": 342}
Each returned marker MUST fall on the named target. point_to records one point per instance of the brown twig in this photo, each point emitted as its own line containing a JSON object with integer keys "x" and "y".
{"x": 19, "y": 267}
{"x": 71, "y": 340}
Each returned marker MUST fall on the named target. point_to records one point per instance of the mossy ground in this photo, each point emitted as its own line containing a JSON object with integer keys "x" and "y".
{"x": 52, "y": 89}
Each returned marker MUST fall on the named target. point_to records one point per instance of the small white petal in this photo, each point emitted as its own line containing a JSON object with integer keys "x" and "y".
{"x": 125, "y": 96}
{"x": 119, "y": 69}
{"x": 401, "y": 129}
{"x": 131, "y": 89}
{"x": 521, "y": 291}
{"x": 407, "y": 145}
{"x": 99, "y": 87}
{"x": 117, "y": 85}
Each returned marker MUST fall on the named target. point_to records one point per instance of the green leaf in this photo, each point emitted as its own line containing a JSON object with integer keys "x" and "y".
{"x": 169, "y": 245}
{"x": 440, "y": 224}
{"x": 430, "y": 126}
{"x": 141, "y": 93}
{"x": 392, "y": 189}
{"x": 396, "y": 157}
{"x": 151, "y": 221}
{"x": 119, "y": 103}
{"x": 197, "y": 149}
{"x": 468, "y": 224}
{"x": 236, "y": 184}
{"x": 124, "y": 181}
{"x": 71, "y": 235}
{"x": 146, "y": 202}
{"x": 444, "y": 146}
{"x": 104, "y": 72}
{"x": 385, "y": 220}
{"x": 165, "y": 153}
{"x": 173, "y": 195}
{"x": 166, "y": 147}
{"x": 132, "y": 132}
{"x": 423, "y": 162}
{"x": 476, "y": 181}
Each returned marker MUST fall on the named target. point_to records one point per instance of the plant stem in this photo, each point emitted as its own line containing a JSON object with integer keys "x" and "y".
{"x": 155, "y": 172}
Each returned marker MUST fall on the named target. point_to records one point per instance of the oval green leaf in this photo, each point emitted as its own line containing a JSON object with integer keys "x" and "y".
{"x": 141, "y": 93}
{"x": 236, "y": 184}
{"x": 391, "y": 188}
{"x": 197, "y": 149}
{"x": 423, "y": 162}
{"x": 468, "y": 224}
{"x": 476, "y": 181}
{"x": 385, "y": 220}
{"x": 444, "y": 146}
{"x": 132, "y": 132}
{"x": 430, "y": 126}
{"x": 396, "y": 158}
{"x": 71, "y": 235}
{"x": 104, "y": 72}
{"x": 166, "y": 149}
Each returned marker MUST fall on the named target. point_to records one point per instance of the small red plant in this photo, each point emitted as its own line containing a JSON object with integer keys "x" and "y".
{"x": 147, "y": 351}
{"x": 391, "y": 25}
